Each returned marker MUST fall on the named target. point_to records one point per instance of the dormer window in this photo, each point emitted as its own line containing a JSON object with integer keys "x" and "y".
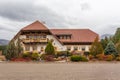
{"x": 64, "y": 36}
{"x": 68, "y": 37}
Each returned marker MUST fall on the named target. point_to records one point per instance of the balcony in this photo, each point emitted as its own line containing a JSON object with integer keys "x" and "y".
{"x": 35, "y": 40}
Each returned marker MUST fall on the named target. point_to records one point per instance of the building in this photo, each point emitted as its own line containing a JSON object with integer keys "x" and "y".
{"x": 35, "y": 37}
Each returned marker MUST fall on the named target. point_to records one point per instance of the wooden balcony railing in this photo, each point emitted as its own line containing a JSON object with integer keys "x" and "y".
{"x": 34, "y": 40}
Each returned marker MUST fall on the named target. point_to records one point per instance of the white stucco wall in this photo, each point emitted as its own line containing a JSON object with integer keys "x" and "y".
{"x": 22, "y": 36}
{"x": 79, "y": 47}
{"x": 39, "y": 47}
{"x": 56, "y": 43}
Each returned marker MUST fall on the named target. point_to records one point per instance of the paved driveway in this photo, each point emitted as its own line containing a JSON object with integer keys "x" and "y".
{"x": 60, "y": 71}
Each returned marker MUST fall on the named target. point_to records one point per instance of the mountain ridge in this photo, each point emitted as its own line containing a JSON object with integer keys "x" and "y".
{"x": 4, "y": 42}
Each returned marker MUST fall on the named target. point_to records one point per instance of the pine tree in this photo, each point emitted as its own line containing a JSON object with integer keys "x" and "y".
{"x": 50, "y": 49}
{"x": 96, "y": 47}
{"x": 116, "y": 37}
{"x": 110, "y": 49}
{"x": 104, "y": 42}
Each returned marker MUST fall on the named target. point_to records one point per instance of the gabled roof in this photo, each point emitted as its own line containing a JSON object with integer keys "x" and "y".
{"x": 77, "y": 35}
{"x": 35, "y": 26}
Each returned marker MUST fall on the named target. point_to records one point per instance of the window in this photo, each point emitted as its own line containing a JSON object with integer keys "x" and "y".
{"x": 65, "y": 37}
{"x": 68, "y": 48}
{"x": 83, "y": 48}
{"x": 34, "y": 47}
{"x": 75, "y": 48}
{"x": 27, "y": 48}
{"x": 68, "y": 37}
{"x": 79, "y": 48}
{"x": 60, "y": 37}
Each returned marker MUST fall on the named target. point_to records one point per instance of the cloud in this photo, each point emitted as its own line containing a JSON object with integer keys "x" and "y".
{"x": 27, "y": 11}
{"x": 4, "y": 27}
{"x": 16, "y": 14}
{"x": 85, "y": 6}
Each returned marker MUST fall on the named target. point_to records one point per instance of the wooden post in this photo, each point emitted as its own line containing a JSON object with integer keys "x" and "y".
{"x": 0, "y": 53}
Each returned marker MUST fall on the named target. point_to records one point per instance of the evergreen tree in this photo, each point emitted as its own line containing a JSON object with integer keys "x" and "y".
{"x": 104, "y": 42}
{"x": 11, "y": 51}
{"x": 3, "y": 49}
{"x": 19, "y": 47}
{"x": 118, "y": 47}
{"x": 50, "y": 49}
{"x": 116, "y": 37}
{"x": 110, "y": 49}
{"x": 96, "y": 47}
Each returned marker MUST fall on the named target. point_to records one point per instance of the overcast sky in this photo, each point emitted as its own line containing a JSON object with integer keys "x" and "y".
{"x": 101, "y": 16}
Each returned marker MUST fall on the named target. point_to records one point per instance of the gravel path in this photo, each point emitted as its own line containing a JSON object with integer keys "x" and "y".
{"x": 60, "y": 71}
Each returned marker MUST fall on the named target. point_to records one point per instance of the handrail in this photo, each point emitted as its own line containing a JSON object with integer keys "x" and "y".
{"x": 34, "y": 40}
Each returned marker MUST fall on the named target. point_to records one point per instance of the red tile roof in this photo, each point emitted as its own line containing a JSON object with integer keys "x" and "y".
{"x": 77, "y": 35}
{"x": 35, "y": 26}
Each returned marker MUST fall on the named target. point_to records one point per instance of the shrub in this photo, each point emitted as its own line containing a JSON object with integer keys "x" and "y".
{"x": 63, "y": 53}
{"x": 117, "y": 58}
{"x": 100, "y": 56}
{"x": 42, "y": 56}
{"x": 84, "y": 59}
{"x": 35, "y": 56}
{"x": 49, "y": 57}
{"x": 91, "y": 57}
{"x": 77, "y": 58}
{"x": 109, "y": 57}
{"x": 21, "y": 59}
{"x": 26, "y": 54}
{"x": 74, "y": 52}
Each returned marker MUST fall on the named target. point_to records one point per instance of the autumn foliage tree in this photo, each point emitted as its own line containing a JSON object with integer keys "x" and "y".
{"x": 118, "y": 47}
{"x": 96, "y": 47}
